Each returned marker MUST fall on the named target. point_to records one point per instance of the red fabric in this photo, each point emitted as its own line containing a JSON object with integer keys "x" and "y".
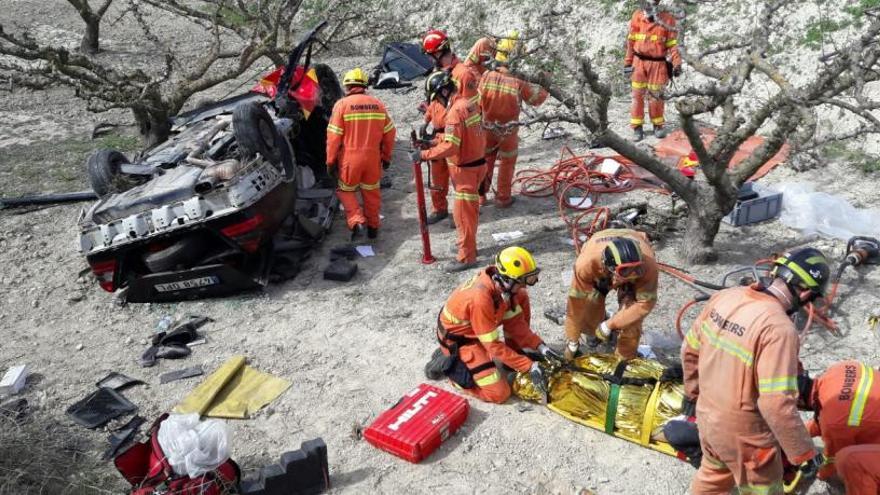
{"x": 676, "y": 145}
{"x": 144, "y": 466}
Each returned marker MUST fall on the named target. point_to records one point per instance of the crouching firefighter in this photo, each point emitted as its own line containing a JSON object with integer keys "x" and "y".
{"x": 470, "y": 325}
{"x": 618, "y": 259}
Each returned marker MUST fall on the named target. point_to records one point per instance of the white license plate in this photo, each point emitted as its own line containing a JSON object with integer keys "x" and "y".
{"x": 187, "y": 284}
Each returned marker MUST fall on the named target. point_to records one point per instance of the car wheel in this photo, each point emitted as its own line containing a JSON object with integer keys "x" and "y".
{"x": 255, "y": 132}
{"x": 331, "y": 90}
{"x": 182, "y": 254}
{"x": 104, "y": 174}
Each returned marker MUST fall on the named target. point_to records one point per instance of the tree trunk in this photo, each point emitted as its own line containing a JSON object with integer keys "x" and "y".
{"x": 89, "y": 42}
{"x": 153, "y": 124}
{"x": 703, "y": 222}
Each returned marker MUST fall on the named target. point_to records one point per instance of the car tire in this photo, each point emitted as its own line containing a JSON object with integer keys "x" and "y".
{"x": 103, "y": 169}
{"x": 182, "y": 254}
{"x": 255, "y": 132}
{"x": 331, "y": 90}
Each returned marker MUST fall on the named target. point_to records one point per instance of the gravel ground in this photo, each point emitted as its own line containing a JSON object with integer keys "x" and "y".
{"x": 350, "y": 350}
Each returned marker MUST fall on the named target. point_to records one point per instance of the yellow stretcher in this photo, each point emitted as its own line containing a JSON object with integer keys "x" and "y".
{"x": 625, "y": 399}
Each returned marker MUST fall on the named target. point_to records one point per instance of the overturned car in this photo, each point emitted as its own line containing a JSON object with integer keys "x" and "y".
{"x": 200, "y": 214}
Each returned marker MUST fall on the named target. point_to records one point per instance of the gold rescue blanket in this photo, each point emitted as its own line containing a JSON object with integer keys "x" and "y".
{"x": 626, "y": 399}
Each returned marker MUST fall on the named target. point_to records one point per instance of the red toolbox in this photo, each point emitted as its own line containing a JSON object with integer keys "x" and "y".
{"x": 420, "y": 421}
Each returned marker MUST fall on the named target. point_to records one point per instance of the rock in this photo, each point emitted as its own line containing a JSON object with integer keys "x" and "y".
{"x": 35, "y": 303}
{"x": 75, "y": 297}
{"x": 79, "y": 347}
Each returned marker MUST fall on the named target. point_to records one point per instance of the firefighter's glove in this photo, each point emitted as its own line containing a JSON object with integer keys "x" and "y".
{"x": 415, "y": 156}
{"x": 385, "y": 164}
{"x": 549, "y": 354}
{"x": 676, "y": 71}
{"x": 627, "y": 71}
{"x": 603, "y": 332}
{"x": 689, "y": 407}
{"x": 810, "y": 469}
{"x": 539, "y": 379}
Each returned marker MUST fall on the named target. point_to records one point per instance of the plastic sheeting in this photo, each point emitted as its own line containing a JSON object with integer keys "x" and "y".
{"x": 193, "y": 447}
{"x": 825, "y": 214}
{"x": 585, "y": 395}
{"x": 235, "y": 391}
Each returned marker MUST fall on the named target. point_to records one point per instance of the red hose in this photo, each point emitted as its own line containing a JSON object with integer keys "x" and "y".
{"x": 680, "y": 315}
{"x": 579, "y": 176}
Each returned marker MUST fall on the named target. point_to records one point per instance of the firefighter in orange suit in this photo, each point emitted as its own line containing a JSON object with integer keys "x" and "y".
{"x": 620, "y": 259}
{"x": 462, "y": 147}
{"x": 480, "y": 55}
{"x": 493, "y": 303}
{"x": 501, "y": 97}
{"x": 435, "y": 116}
{"x": 740, "y": 362}
{"x": 652, "y": 39}
{"x": 846, "y": 399}
{"x": 465, "y": 76}
{"x": 360, "y": 139}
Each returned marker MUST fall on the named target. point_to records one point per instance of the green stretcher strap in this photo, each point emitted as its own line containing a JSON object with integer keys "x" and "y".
{"x": 611, "y": 410}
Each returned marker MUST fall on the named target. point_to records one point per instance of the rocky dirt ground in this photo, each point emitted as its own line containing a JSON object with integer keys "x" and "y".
{"x": 350, "y": 350}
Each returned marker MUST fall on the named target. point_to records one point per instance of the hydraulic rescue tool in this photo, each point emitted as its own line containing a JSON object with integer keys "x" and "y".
{"x": 427, "y": 257}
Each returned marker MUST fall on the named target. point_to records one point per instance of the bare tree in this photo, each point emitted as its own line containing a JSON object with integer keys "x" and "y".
{"x": 238, "y": 35}
{"x": 756, "y": 79}
{"x": 92, "y": 18}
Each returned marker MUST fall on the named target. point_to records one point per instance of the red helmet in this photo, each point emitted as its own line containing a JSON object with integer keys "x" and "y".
{"x": 435, "y": 41}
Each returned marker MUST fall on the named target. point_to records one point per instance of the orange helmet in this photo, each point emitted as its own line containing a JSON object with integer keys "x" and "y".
{"x": 435, "y": 41}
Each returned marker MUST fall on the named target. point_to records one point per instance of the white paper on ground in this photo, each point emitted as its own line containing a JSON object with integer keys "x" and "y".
{"x": 365, "y": 251}
{"x": 646, "y": 351}
{"x": 580, "y": 202}
{"x": 507, "y": 236}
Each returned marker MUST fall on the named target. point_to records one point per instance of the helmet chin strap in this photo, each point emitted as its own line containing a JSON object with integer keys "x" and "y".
{"x": 506, "y": 287}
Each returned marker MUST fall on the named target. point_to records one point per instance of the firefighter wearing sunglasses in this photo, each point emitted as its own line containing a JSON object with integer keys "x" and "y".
{"x": 492, "y": 304}
{"x": 613, "y": 259}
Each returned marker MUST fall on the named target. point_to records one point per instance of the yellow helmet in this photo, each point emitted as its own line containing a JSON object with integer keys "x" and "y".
{"x": 506, "y": 47}
{"x": 517, "y": 264}
{"x": 355, "y": 77}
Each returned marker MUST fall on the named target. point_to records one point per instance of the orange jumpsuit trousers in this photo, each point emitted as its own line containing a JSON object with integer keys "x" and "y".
{"x": 586, "y": 301}
{"x": 475, "y": 310}
{"x": 859, "y": 468}
{"x": 463, "y": 147}
{"x": 436, "y": 116}
{"x": 360, "y": 136}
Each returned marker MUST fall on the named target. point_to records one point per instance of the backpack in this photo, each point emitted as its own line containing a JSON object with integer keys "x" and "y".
{"x": 144, "y": 466}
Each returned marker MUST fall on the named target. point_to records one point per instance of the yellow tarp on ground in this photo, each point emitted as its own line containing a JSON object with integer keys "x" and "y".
{"x": 586, "y": 396}
{"x": 234, "y": 391}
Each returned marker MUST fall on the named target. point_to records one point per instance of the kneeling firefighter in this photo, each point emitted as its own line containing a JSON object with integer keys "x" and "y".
{"x": 468, "y": 328}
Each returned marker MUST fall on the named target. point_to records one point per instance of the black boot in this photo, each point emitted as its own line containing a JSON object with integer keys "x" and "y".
{"x": 357, "y": 232}
{"x": 372, "y": 232}
{"x": 436, "y": 216}
{"x": 638, "y": 134}
{"x": 435, "y": 367}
